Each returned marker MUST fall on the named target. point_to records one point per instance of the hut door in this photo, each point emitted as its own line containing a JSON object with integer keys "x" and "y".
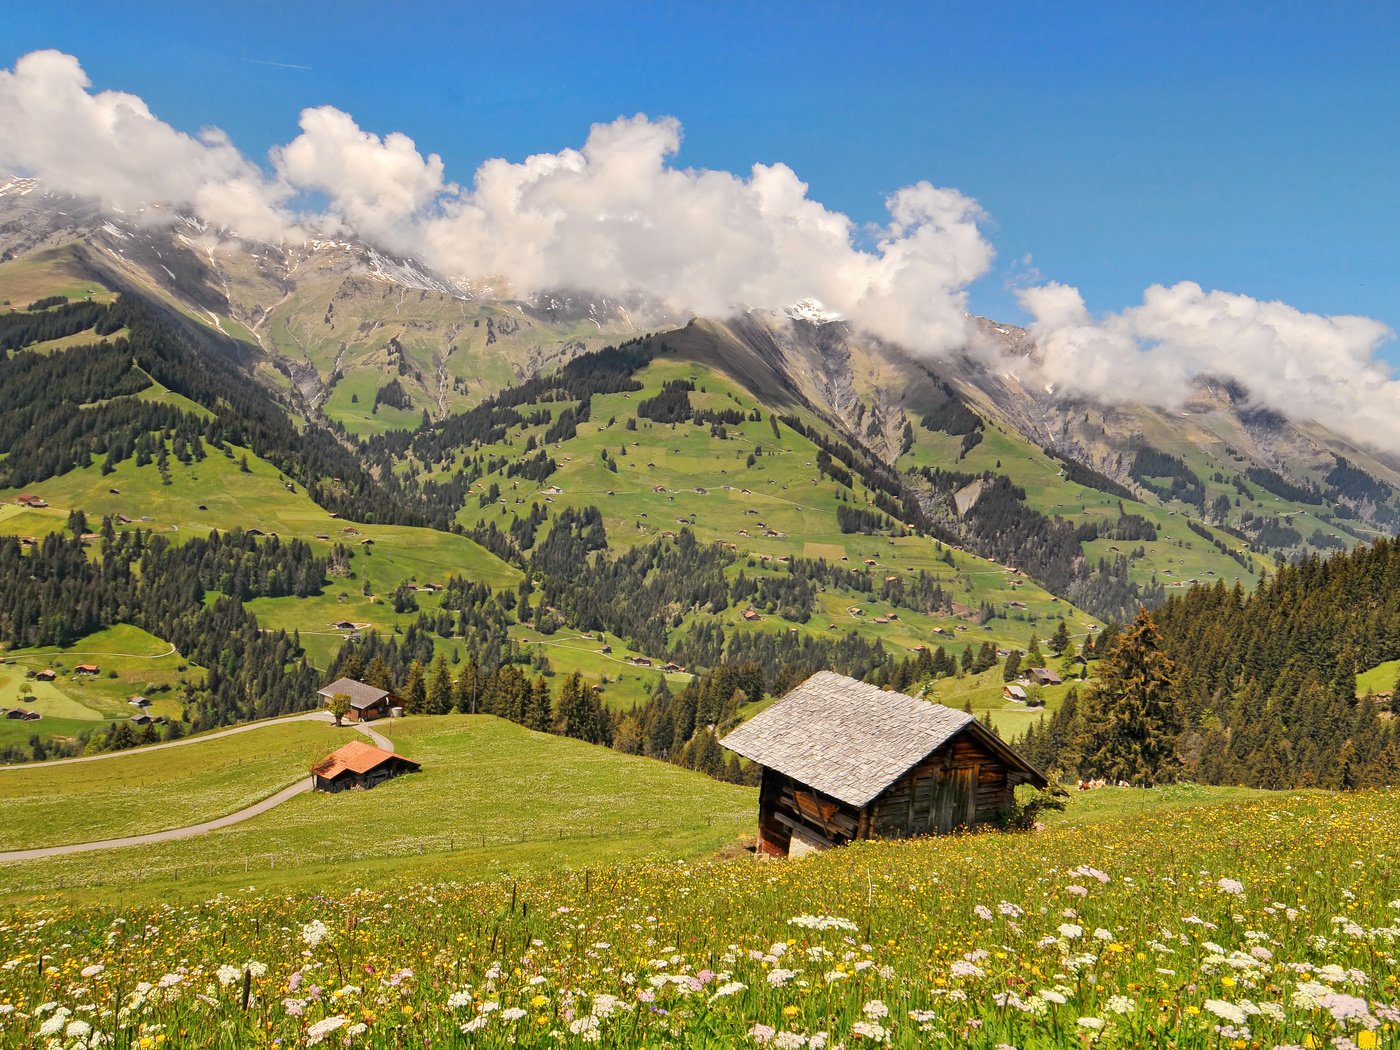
{"x": 953, "y": 803}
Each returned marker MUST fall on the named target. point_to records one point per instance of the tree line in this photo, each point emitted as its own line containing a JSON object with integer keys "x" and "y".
{"x": 1257, "y": 689}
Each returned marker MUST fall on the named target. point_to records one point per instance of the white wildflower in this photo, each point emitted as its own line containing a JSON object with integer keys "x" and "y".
{"x": 823, "y": 922}
{"x": 313, "y": 933}
{"x": 727, "y": 989}
{"x": 318, "y": 1031}
{"x": 1226, "y": 1011}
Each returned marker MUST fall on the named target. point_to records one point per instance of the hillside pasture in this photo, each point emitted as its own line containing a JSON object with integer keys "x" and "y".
{"x": 130, "y": 662}
{"x": 140, "y": 791}
{"x": 47, "y": 272}
{"x": 491, "y": 797}
{"x": 263, "y": 498}
{"x": 1162, "y": 922}
{"x": 674, "y": 476}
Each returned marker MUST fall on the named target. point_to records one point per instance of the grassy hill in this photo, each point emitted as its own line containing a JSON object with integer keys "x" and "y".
{"x": 218, "y": 494}
{"x": 130, "y": 661}
{"x": 143, "y": 790}
{"x": 1157, "y": 923}
{"x": 491, "y": 797}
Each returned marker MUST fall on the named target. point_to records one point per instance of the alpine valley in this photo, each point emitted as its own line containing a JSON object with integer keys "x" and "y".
{"x": 274, "y": 463}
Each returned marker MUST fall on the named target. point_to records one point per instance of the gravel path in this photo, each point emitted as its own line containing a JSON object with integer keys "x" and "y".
{"x": 299, "y": 788}
{"x": 315, "y": 716}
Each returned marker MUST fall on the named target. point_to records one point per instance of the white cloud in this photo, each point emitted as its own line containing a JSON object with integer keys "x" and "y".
{"x": 1307, "y": 366}
{"x": 108, "y": 146}
{"x": 375, "y": 187}
{"x": 618, "y": 216}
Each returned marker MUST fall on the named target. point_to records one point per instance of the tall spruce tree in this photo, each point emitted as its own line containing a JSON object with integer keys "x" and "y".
{"x": 1128, "y": 721}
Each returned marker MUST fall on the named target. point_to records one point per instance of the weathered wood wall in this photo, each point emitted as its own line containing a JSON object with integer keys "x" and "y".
{"x": 960, "y": 784}
{"x": 779, "y": 812}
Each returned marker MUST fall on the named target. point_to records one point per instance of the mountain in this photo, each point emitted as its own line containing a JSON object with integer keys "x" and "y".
{"x": 596, "y": 487}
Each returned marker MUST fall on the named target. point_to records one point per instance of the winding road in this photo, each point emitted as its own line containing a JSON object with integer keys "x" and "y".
{"x": 273, "y": 801}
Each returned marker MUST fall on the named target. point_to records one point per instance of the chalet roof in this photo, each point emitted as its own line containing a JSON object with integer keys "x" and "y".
{"x": 851, "y": 740}
{"x": 355, "y": 757}
{"x": 361, "y": 695}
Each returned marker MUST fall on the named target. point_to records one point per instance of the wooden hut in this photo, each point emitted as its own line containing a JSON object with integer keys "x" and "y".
{"x": 366, "y": 702}
{"x": 359, "y": 765}
{"x": 843, "y": 760}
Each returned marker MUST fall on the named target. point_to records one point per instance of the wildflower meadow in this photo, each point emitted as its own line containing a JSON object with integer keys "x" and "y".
{"x": 1272, "y": 923}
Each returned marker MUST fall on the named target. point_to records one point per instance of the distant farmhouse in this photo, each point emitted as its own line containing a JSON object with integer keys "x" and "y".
{"x": 843, "y": 760}
{"x": 359, "y": 765}
{"x": 366, "y": 702}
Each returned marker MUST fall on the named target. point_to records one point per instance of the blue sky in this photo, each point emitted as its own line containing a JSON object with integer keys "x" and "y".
{"x": 1250, "y": 148}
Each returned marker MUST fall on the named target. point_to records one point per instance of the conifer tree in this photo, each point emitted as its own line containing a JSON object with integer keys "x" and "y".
{"x": 540, "y": 713}
{"x": 1128, "y": 723}
{"x": 415, "y": 691}
{"x": 439, "y": 687}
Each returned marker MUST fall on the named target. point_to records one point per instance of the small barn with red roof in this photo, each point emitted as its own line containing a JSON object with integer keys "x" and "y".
{"x": 359, "y": 765}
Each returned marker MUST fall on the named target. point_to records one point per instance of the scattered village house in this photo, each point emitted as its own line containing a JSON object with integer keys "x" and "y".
{"x": 366, "y": 702}
{"x": 1045, "y": 676}
{"x": 48, "y": 674}
{"x": 358, "y": 765}
{"x": 87, "y": 669}
{"x": 843, "y": 760}
{"x": 1013, "y": 692}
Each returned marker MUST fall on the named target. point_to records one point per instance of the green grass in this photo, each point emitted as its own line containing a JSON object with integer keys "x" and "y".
{"x": 49, "y": 271}
{"x": 491, "y": 797}
{"x": 569, "y": 651}
{"x": 75, "y": 703}
{"x": 141, "y": 791}
{"x": 1147, "y": 923}
{"x": 1378, "y": 679}
{"x": 984, "y": 693}
{"x": 783, "y": 491}
{"x": 263, "y": 498}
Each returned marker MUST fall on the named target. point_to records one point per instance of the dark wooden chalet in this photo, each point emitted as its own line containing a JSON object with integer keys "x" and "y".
{"x": 843, "y": 760}
{"x": 366, "y": 702}
{"x": 359, "y": 765}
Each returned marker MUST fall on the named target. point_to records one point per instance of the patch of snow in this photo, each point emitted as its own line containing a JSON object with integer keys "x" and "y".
{"x": 811, "y": 310}
{"x": 17, "y": 187}
{"x": 108, "y": 227}
{"x": 168, "y": 270}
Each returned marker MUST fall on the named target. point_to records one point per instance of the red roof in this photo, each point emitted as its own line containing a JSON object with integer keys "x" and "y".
{"x": 355, "y": 757}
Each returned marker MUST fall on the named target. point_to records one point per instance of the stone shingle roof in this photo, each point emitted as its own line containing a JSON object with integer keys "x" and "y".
{"x": 361, "y": 695}
{"x": 845, "y": 738}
